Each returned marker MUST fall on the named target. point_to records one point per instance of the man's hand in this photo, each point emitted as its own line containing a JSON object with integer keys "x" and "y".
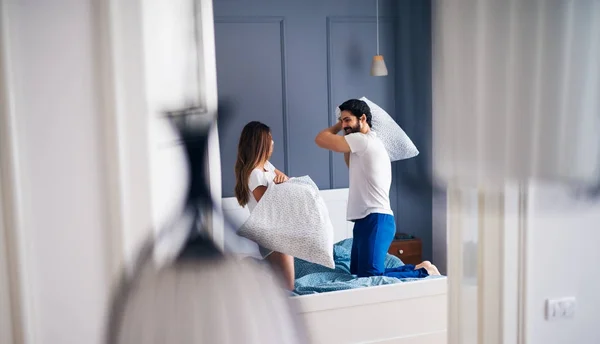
{"x": 337, "y": 127}
{"x": 280, "y": 178}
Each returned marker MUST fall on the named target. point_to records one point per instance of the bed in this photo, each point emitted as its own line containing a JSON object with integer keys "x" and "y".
{"x": 313, "y": 278}
{"x": 406, "y": 312}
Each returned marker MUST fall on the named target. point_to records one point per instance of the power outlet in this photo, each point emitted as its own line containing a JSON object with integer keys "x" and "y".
{"x": 560, "y": 308}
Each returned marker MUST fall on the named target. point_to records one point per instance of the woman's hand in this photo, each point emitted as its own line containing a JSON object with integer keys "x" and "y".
{"x": 280, "y": 178}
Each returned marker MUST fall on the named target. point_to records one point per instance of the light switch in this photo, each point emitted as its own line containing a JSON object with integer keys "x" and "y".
{"x": 560, "y": 308}
{"x": 568, "y": 307}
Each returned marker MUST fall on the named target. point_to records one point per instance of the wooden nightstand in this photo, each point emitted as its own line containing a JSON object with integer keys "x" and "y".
{"x": 408, "y": 250}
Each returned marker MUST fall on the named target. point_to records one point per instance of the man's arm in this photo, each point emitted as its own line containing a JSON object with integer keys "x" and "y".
{"x": 329, "y": 139}
{"x": 347, "y": 159}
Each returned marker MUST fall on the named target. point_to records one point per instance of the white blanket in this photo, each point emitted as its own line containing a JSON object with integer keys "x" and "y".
{"x": 292, "y": 218}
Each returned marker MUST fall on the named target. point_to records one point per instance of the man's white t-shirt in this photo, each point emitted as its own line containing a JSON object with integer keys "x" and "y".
{"x": 259, "y": 177}
{"x": 370, "y": 176}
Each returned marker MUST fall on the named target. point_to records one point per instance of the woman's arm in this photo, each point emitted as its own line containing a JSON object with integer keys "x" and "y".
{"x": 258, "y": 192}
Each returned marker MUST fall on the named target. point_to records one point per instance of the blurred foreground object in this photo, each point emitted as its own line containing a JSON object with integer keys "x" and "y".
{"x": 199, "y": 294}
{"x": 206, "y": 301}
{"x": 516, "y": 91}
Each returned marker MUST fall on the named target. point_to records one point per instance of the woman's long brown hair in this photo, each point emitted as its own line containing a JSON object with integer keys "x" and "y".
{"x": 253, "y": 149}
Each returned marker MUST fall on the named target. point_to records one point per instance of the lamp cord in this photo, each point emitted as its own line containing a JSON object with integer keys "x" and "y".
{"x": 377, "y": 21}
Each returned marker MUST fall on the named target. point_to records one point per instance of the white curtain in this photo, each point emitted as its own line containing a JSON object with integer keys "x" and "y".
{"x": 516, "y": 98}
{"x": 516, "y": 90}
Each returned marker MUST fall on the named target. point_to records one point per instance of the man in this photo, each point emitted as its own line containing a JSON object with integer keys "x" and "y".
{"x": 369, "y": 208}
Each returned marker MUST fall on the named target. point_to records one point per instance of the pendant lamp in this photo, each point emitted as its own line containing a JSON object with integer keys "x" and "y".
{"x": 378, "y": 67}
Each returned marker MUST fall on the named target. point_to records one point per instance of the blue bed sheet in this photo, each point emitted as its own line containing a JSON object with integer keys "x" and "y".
{"x": 313, "y": 278}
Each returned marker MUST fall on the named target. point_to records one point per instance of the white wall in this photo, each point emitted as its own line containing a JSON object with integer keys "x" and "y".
{"x": 89, "y": 80}
{"x": 169, "y": 41}
{"x": 180, "y": 71}
{"x": 563, "y": 258}
{"x": 560, "y": 258}
{"x": 56, "y": 101}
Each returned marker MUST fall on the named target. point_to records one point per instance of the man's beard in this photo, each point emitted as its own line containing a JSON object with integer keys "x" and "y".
{"x": 351, "y": 130}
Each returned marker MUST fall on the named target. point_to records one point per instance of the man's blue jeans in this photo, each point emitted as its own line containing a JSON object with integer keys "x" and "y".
{"x": 372, "y": 238}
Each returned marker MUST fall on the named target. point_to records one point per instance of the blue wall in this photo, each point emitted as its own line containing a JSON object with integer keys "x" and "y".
{"x": 290, "y": 63}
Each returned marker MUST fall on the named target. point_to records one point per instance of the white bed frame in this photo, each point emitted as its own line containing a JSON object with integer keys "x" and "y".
{"x": 404, "y": 313}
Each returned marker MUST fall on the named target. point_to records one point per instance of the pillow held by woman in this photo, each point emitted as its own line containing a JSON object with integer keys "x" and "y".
{"x": 292, "y": 218}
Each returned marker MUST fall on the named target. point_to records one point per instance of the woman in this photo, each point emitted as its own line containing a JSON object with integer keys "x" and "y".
{"x": 253, "y": 174}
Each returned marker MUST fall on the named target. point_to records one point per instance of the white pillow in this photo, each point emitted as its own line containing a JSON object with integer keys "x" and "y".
{"x": 396, "y": 142}
{"x": 292, "y": 218}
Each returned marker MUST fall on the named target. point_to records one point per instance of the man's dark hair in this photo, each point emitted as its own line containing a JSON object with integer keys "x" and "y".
{"x": 357, "y": 108}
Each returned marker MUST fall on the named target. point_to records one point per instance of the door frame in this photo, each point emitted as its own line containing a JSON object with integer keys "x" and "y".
{"x": 496, "y": 301}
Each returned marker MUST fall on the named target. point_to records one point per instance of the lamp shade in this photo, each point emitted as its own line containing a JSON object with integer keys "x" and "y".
{"x": 197, "y": 293}
{"x": 378, "y": 67}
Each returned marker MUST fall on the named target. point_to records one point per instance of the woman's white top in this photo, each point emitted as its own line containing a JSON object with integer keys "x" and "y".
{"x": 259, "y": 177}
